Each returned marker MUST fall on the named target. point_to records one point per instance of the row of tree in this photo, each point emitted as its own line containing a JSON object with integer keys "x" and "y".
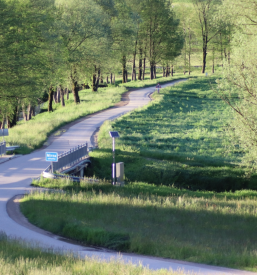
{"x": 50, "y": 44}
{"x": 206, "y": 30}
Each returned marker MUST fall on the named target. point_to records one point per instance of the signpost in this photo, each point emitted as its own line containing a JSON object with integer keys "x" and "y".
{"x": 158, "y": 87}
{"x": 113, "y": 135}
{"x": 53, "y": 157}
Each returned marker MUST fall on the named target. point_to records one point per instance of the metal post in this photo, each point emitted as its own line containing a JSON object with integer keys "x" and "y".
{"x": 52, "y": 167}
{"x": 113, "y": 163}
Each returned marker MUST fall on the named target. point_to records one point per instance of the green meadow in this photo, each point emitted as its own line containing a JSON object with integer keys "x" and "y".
{"x": 181, "y": 138}
{"x": 164, "y": 221}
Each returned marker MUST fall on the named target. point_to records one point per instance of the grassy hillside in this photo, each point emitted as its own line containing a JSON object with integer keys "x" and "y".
{"x": 181, "y": 138}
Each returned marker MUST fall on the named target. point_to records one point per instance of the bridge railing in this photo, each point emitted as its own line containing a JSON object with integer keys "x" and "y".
{"x": 2, "y": 148}
{"x": 70, "y": 157}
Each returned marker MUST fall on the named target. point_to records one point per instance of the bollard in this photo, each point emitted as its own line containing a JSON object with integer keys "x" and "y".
{"x": 120, "y": 173}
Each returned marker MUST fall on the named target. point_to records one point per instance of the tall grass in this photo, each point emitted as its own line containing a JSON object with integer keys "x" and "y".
{"x": 17, "y": 257}
{"x": 163, "y": 221}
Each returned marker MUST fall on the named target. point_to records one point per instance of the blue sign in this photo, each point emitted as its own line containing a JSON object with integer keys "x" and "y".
{"x": 52, "y": 156}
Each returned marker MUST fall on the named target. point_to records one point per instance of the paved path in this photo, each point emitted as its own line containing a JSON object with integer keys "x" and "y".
{"x": 16, "y": 175}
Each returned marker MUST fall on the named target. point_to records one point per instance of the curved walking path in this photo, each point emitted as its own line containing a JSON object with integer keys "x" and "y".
{"x": 15, "y": 179}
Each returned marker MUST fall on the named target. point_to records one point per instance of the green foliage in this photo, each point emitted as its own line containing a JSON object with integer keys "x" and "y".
{"x": 238, "y": 87}
{"x": 26, "y": 36}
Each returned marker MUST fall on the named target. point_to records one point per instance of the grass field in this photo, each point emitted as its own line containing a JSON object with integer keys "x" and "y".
{"x": 181, "y": 138}
{"x": 32, "y": 134}
{"x": 205, "y": 227}
{"x": 17, "y": 257}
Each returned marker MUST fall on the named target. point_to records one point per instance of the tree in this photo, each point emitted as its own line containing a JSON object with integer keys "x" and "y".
{"x": 238, "y": 88}
{"x": 124, "y": 30}
{"x": 82, "y": 21}
{"x": 160, "y": 30}
{"x": 206, "y": 10}
{"x": 24, "y": 38}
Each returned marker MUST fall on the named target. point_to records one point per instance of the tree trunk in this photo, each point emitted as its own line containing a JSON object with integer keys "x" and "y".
{"x": 144, "y": 70}
{"x": 62, "y": 96}
{"x": 3, "y": 123}
{"x": 107, "y": 80}
{"x": 140, "y": 72}
{"x": 134, "y": 74}
{"x": 189, "y": 63}
{"x": 98, "y": 79}
{"x": 164, "y": 72}
{"x": 50, "y": 99}
{"x": 221, "y": 50}
{"x": 29, "y": 112}
{"x": 204, "y": 58}
{"x": 189, "y": 55}
{"x": 75, "y": 86}
{"x": 185, "y": 60}
{"x": 58, "y": 95}
{"x": 75, "y": 91}
{"x": 213, "y": 60}
{"x": 151, "y": 70}
{"x": 94, "y": 89}
{"x": 17, "y": 112}
{"x": 111, "y": 78}
{"x": 54, "y": 97}
{"x": 24, "y": 113}
{"x": 172, "y": 72}
{"x": 114, "y": 79}
{"x": 124, "y": 69}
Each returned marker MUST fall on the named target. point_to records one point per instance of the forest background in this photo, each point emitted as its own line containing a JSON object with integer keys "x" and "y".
{"x": 50, "y": 48}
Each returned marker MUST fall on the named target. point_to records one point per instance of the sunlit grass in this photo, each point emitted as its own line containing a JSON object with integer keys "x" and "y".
{"x": 32, "y": 134}
{"x": 17, "y": 257}
{"x": 204, "y": 227}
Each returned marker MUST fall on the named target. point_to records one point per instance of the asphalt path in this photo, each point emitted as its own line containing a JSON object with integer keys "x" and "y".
{"x": 16, "y": 176}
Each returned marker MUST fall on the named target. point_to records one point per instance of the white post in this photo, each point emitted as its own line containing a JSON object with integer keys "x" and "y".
{"x": 113, "y": 162}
